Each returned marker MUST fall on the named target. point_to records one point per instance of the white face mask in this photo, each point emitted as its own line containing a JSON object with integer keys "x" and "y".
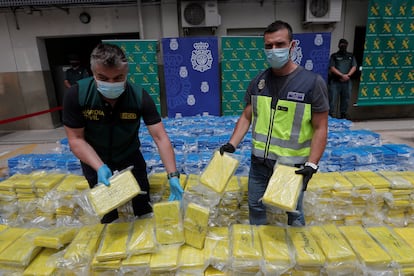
{"x": 110, "y": 90}
{"x": 277, "y": 57}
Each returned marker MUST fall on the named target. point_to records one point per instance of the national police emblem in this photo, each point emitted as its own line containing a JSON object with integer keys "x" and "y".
{"x": 296, "y": 54}
{"x": 201, "y": 57}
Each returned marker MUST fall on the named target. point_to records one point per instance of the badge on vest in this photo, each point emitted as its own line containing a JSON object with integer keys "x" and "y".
{"x": 282, "y": 108}
{"x": 261, "y": 84}
{"x": 296, "y": 96}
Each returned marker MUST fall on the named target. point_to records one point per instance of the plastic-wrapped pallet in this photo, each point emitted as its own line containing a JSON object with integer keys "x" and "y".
{"x": 142, "y": 237}
{"x": 278, "y": 258}
{"x": 113, "y": 242}
{"x": 246, "y": 250}
{"x": 284, "y": 188}
{"x": 402, "y": 254}
{"x": 370, "y": 254}
{"x": 168, "y": 223}
{"x": 308, "y": 255}
{"x": 340, "y": 258}
{"x": 217, "y": 248}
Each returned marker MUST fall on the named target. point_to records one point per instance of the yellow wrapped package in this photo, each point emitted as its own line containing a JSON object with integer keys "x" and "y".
{"x": 123, "y": 188}
{"x": 165, "y": 259}
{"x": 142, "y": 237}
{"x": 246, "y": 248}
{"x": 276, "y": 253}
{"x": 111, "y": 265}
{"x": 55, "y": 237}
{"x": 339, "y": 255}
{"x": 136, "y": 265}
{"x": 219, "y": 171}
{"x": 406, "y": 233}
{"x": 83, "y": 247}
{"x": 168, "y": 222}
{"x": 114, "y": 242}
{"x": 41, "y": 265}
{"x": 196, "y": 225}
{"x": 307, "y": 251}
{"x": 9, "y": 235}
{"x": 283, "y": 188}
{"x": 368, "y": 251}
{"x": 22, "y": 251}
{"x": 191, "y": 259}
{"x": 397, "y": 248}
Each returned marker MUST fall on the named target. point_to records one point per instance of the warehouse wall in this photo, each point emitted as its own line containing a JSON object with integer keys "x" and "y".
{"x": 26, "y": 82}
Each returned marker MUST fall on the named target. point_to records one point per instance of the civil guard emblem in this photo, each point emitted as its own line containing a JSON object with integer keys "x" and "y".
{"x": 201, "y": 58}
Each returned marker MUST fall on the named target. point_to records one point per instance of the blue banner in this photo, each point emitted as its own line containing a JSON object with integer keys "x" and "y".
{"x": 191, "y": 76}
{"x": 312, "y": 52}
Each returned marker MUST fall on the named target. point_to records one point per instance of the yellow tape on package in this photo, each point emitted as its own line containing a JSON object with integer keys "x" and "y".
{"x": 123, "y": 188}
{"x": 219, "y": 171}
{"x": 307, "y": 251}
{"x": 168, "y": 222}
{"x": 368, "y": 251}
{"x": 284, "y": 188}
{"x": 196, "y": 225}
{"x": 114, "y": 242}
{"x": 55, "y": 237}
{"x": 142, "y": 237}
{"x": 41, "y": 265}
{"x": 397, "y": 248}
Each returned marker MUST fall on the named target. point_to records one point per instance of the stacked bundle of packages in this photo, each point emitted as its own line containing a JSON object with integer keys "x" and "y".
{"x": 217, "y": 248}
{"x": 8, "y": 200}
{"x": 399, "y": 199}
{"x": 244, "y": 205}
{"x": 228, "y": 207}
{"x": 158, "y": 182}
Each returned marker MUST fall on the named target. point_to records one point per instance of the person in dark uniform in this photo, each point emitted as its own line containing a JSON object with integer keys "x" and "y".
{"x": 287, "y": 109}
{"x": 75, "y": 72}
{"x": 342, "y": 65}
{"x": 102, "y": 116}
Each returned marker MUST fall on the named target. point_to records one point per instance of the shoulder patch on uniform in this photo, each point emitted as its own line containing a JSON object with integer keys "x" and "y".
{"x": 261, "y": 84}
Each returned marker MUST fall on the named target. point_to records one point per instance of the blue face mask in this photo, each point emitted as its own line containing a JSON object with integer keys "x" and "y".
{"x": 277, "y": 57}
{"x": 110, "y": 90}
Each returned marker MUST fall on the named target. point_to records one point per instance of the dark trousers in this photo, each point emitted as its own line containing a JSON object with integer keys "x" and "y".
{"x": 140, "y": 203}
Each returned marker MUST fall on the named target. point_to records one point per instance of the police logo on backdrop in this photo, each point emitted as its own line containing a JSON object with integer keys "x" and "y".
{"x": 201, "y": 57}
{"x": 296, "y": 54}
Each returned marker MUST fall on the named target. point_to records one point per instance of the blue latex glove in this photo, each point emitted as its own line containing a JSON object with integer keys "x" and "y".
{"x": 176, "y": 191}
{"x": 104, "y": 173}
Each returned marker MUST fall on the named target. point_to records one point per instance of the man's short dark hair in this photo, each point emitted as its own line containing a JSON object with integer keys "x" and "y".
{"x": 279, "y": 25}
{"x": 343, "y": 41}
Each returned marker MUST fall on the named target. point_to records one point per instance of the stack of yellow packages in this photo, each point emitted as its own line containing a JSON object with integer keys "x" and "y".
{"x": 402, "y": 253}
{"x": 79, "y": 253}
{"x": 217, "y": 248}
{"x": 26, "y": 197}
{"x": 158, "y": 183}
{"x": 309, "y": 257}
{"x": 18, "y": 255}
{"x": 195, "y": 225}
{"x": 407, "y": 234}
{"x": 191, "y": 261}
{"x": 123, "y": 187}
{"x": 243, "y": 215}
{"x": 9, "y": 235}
{"x": 277, "y": 257}
{"x": 136, "y": 265}
{"x": 142, "y": 237}
{"x": 66, "y": 190}
{"x": 168, "y": 223}
{"x": 43, "y": 264}
{"x": 55, "y": 237}
{"x": 228, "y": 208}
{"x": 246, "y": 250}
{"x": 8, "y": 200}
{"x": 284, "y": 188}
{"x": 113, "y": 242}
{"x": 370, "y": 254}
{"x": 340, "y": 258}
{"x": 165, "y": 260}
{"x": 219, "y": 171}
{"x": 409, "y": 175}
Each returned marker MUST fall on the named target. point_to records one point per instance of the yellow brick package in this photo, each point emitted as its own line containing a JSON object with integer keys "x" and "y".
{"x": 55, "y": 237}
{"x": 42, "y": 265}
{"x": 136, "y": 265}
{"x": 340, "y": 258}
{"x": 114, "y": 242}
{"x": 219, "y": 171}
{"x": 283, "y": 188}
{"x": 83, "y": 247}
{"x": 191, "y": 259}
{"x": 195, "y": 225}
{"x": 397, "y": 248}
{"x": 9, "y": 235}
{"x": 142, "y": 237}
{"x": 368, "y": 251}
{"x": 307, "y": 252}
{"x": 168, "y": 222}
{"x": 217, "y": 247}
{"x": 165, "y": 259}
{"x": 123, "y": 188}
{"x": 278, "y": 258}
{"x": 245, "y": 247}
{"x": 406, "y": 233}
